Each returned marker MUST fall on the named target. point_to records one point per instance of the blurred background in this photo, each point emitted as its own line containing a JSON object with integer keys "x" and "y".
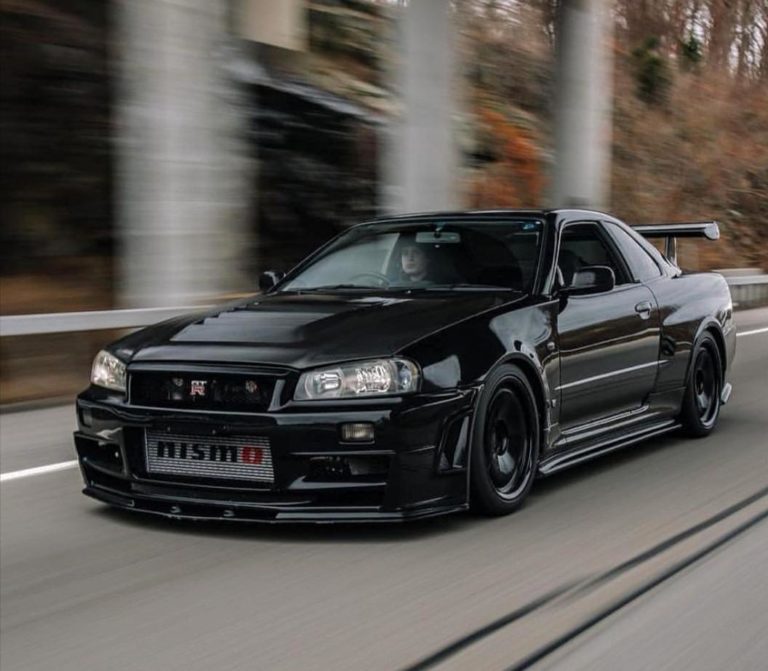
{"x": 162, "y": 153}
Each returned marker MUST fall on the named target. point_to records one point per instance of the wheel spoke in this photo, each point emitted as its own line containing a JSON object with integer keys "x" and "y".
{"x": 507, "y": 441}
{"x": 705, "y": 386}
{"x": 506, "y": 463}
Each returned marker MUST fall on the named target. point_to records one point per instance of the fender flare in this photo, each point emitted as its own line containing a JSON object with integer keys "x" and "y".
{"x": 532, "y": 368}
{"x": 534, "y": 372}
{"x": 713, "y": 326}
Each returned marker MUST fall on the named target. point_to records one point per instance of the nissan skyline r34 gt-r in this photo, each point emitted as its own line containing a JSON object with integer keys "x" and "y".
{"x": 413, "y": 366}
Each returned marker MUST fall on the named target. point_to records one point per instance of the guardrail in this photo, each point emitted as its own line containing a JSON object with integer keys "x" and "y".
{"x": 68, "y": 322}
{"x": 747, "y": 291}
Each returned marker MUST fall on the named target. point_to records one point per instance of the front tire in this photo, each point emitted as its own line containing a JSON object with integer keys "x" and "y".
{"x": 701, "y": 403}
{"x": 505, "y": 443}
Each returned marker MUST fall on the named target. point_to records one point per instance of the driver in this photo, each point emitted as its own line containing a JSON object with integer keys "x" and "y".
{"x": 414, "y": 262}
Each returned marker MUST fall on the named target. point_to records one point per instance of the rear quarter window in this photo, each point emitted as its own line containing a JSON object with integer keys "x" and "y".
{"x": 641, "y": 264}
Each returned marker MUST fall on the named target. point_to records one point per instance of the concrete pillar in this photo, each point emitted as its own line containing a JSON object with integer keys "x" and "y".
{"x": 182, "y": 167}
{"x": 583, "y": 104}
{"x": 420, "y": 154}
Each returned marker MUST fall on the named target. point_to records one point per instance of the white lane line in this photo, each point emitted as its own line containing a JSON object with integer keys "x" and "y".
{"x": 753, "y": 332}
{"x": 38, "y": 470}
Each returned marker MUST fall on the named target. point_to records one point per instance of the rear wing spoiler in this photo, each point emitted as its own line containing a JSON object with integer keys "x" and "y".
{"x": 671, "y": 232}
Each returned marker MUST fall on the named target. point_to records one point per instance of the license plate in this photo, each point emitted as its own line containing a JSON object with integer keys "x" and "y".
{"x": 228, "y": 457}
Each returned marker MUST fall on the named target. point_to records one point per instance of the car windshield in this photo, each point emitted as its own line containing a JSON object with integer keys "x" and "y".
{"x": 463, "y": 255}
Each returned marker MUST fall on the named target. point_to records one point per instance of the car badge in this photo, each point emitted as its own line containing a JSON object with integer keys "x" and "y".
{"x": 197, "y": 387}
{"x": 251, "y": 386}
{"x": 177, "y": 381}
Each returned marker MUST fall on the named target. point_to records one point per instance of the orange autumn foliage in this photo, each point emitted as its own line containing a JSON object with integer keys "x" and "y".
{"x": 515, "y": 178}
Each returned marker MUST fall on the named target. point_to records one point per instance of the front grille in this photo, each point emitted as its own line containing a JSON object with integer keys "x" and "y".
{"x": 214, "y": 457}
{"x": 236, "y": 392}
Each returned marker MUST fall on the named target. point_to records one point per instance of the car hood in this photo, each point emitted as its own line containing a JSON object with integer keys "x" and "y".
{"x": 305, "y": 330}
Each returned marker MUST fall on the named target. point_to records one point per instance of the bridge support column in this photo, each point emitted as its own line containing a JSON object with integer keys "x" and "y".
{"x": 583, "y": 104}
{"x": 182, "y": 178}
{"x": 420, "y": 155}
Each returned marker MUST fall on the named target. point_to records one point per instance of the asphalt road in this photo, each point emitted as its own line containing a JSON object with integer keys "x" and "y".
{"x": 712, "y": 618}
{"x": 84, "y": 587}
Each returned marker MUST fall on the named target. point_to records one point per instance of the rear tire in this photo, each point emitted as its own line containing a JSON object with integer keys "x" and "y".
{"x": 505, "y": 443}
{"x": 701, "y": 403}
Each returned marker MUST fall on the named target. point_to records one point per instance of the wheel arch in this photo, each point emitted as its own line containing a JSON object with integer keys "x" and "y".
{"x": 527, "y": 367}
{"x": 540, "y": 390}
{"x": 717, "y": 334}
{"x": 712, "y": 327}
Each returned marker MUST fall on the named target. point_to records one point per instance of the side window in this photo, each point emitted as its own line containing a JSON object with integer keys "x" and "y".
{"x": 641, "y": 264}
{"x": 582, "y": 245}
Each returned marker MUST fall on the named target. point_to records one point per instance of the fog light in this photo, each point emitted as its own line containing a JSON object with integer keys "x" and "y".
{"x": 358, "y": 432}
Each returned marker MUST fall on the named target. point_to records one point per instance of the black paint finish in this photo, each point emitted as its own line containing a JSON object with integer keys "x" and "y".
{"x": 608, "y": 369}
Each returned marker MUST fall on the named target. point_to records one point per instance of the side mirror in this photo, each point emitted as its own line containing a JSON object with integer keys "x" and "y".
{"x": 269, "y": 278}
{"x": 591, "y": 280}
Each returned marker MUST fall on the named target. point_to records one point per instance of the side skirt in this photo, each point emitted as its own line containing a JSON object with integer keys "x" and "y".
{"x": 563, "y": 460}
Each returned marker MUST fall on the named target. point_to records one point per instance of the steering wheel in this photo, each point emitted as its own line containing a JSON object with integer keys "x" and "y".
{"x": 381, "y": 279}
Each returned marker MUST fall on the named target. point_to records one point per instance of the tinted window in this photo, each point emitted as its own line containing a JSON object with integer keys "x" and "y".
{"x": 582, "y": 245}
{"x": 643, "y": 267}
{"x": 427, "y": 255}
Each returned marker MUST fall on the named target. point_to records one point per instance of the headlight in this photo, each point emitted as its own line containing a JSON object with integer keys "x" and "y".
{"x": 108, "y": 371}
{"x": 380, "y": 377}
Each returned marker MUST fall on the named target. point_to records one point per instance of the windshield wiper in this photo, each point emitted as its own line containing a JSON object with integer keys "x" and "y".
{"x": 335, "y": 287}
{"x": 399, "y": 288}
{"x": 467, "y": 286}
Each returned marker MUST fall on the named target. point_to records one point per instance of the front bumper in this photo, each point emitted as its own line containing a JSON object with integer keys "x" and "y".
{"x": 415, "y": 468}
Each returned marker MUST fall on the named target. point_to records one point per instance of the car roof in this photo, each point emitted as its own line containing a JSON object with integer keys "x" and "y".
{"x": 559, "y": 213}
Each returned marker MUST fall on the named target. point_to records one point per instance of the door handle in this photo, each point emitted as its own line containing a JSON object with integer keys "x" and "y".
{"x": 644, "y": 309}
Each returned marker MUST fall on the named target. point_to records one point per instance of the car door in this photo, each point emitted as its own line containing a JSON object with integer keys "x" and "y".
{"x": 608, "y": 342}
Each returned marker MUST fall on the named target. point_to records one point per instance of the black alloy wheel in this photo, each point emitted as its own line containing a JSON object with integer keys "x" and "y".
{"x": 701, "y": 404}
{"x": 505, "y": 443}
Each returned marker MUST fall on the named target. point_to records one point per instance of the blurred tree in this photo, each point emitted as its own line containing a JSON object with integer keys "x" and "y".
{"x": 55, "y": 183}
{"x": 513, "y": 175}
{"x": 651, "y": 71}
{"x": 690, "y": 53}
{"x": 703, "y": 153}
{"x": 722, "y": 31}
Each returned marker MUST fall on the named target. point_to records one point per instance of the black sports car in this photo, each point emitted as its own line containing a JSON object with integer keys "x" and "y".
{"x": 413, "y": 366}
